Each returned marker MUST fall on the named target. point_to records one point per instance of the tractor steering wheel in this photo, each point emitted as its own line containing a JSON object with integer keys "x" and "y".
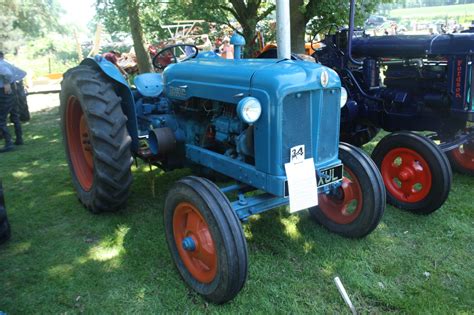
{"x": 174, "y": 54}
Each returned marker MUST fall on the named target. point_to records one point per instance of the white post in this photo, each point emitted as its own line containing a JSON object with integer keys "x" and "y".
{"x": 283, "y": 28}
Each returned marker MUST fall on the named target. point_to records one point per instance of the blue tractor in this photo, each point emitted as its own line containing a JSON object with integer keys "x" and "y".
{"x": 246, "y": 119}
{"x": 418, "y": 87}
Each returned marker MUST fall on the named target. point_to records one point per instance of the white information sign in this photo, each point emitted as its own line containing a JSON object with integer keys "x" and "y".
{"x": 301, "y": 176}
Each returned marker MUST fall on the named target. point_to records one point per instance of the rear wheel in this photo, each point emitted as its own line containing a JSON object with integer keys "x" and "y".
{"x": 96, "y": 139}
{"x": 205, "y": 239}
{"x": 462, "y": 158}
{"x": 416, "y": 173}
{"x": 355, "y": 208}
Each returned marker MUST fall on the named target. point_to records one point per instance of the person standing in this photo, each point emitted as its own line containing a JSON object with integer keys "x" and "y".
{"x": 9, "y": 74}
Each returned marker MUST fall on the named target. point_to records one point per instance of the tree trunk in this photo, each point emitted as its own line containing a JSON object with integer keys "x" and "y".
{"x": 298, "y": 26}
{"x": 143, "y": 58}
{"x": 250, "y": 49}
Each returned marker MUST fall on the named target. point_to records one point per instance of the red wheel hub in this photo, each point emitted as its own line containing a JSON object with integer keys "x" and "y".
{"x": 194, "y": 242}
{"x": 464, "y": 155}
{"x": 406, "y": 174}
{"x": 79, "y": 146}
{"x": 344, "y": 206}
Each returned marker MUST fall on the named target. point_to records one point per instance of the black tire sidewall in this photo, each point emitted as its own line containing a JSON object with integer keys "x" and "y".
{"x": 107, "y": 193}
{"x": 437, "y": 161}
{"x": 69, "y": 89}
{"x": 373, "y": 195}
{"x": 221, "y": 288}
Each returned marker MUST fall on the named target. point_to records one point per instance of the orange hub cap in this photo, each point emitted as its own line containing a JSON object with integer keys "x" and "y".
{"x": 406, "y": 174}
{"x": 194, "y": 242}
{"x": 79, "y": 146}
{"x": 345, "y": 205}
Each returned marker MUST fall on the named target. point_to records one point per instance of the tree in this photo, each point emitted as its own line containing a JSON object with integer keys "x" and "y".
{"x": 125, "y": 15}
{"x": 247, "y": 13}
{"x": 323, "y": 13}
{"x": 27, "y": 19}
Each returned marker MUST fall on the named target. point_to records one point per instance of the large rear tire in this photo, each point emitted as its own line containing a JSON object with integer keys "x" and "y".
{"x": 355, "y": 209}
{"x": 96, "y": 139}
{"x": 205, "y": 239}
{"x": 416, "y": 173}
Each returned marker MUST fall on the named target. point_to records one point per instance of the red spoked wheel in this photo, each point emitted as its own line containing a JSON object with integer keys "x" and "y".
{"x": 80, "y": 149}
{"x": 345, "y": 205}
{"x": 462, "y": 158}
{"x": 406, "y": 174}
{"x": 96, "y": 139}
{"x": 415, "y": 171}
{"x": 197, "y": 249}
{"x": 205, "y": 239}
{"x": 356, "y": 207}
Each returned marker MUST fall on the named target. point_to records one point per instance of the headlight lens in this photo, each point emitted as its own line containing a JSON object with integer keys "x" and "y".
{"x": 343, "y": 97}
{"x": 249, "y": 110}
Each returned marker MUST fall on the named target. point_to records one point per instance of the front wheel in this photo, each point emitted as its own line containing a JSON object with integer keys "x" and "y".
{"x": 205, "y": 239}
{"x": 462, "y": 158}
{"x": 354, "y": 209}
{"x": 416, "y": 173}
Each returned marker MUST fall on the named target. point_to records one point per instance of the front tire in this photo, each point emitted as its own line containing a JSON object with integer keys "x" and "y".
{"x": 416, "y": 173}
{"x": 96, "y": 139}
{"x": 355, "y": 209}
{"x": 205, "y": 239}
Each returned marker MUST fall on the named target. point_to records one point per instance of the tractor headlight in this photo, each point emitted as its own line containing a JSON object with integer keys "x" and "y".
{"x": 249, "y": 110}
{"x": 343, "y": 97}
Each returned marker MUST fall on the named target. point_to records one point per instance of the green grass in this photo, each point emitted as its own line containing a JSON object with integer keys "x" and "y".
{"x": 429, "y": 12}
{"x": 62, "y": 259}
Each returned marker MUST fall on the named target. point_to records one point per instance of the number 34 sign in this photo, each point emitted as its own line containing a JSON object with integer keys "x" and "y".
{"x": 297, "y": 154}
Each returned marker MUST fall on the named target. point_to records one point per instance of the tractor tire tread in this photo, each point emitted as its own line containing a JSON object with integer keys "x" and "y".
{"x": 109, "y": 137}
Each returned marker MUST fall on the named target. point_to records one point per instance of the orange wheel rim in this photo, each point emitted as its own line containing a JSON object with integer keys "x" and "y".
{"x": 194, "y": 242}
{"x": 406, "y": 174}
{"x": 345, "y": 205}
{"x": 464, "y": 155}
{"x": 79, "y": 146}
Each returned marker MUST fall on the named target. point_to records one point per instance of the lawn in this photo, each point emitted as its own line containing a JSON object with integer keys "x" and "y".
{"x": 438, "y": 11}
{"x": 63, "y": 259}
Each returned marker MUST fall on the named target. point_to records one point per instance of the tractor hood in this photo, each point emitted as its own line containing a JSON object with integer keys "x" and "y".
{"x": 219, "y": 79}
{"x": 290, "y": 76}
{"x": 228, "y": 80}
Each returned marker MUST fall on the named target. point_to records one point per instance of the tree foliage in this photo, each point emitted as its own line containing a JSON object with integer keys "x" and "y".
{"x": 322, "y": 13}
{"x": 27, "y": 19}
{"x": 247, "y": 13}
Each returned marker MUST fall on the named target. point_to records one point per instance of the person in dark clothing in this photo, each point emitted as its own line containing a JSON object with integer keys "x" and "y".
{"x": 9, "y": 75}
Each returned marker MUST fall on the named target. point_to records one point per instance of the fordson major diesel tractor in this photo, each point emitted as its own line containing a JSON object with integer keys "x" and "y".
{"x": 427, "y": 86}
{"x": 239, "y": 118}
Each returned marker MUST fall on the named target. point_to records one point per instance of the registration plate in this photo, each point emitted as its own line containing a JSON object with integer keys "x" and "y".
{"x": 329, "y": 175}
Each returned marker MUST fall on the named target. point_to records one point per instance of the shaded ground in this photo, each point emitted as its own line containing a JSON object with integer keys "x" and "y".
{"x": 63, "y": 259}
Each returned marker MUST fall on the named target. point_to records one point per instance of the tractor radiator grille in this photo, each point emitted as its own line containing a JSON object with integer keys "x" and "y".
{"x": 296, "y": 124}
{"x": 329, "y": 126}
{"x": 311, "y": 119}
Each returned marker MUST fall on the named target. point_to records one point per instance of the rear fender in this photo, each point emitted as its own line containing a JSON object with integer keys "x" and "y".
{"x": 123, "y": 90}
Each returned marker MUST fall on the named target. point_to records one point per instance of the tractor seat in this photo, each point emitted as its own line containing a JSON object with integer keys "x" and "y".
{"x": 149, "y": 84}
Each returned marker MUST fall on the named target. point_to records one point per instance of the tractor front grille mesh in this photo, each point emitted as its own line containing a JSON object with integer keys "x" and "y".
{"x": 328, "y": 126}
{"x": 296, "y": 127}
{"x": 311, "y": 119}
